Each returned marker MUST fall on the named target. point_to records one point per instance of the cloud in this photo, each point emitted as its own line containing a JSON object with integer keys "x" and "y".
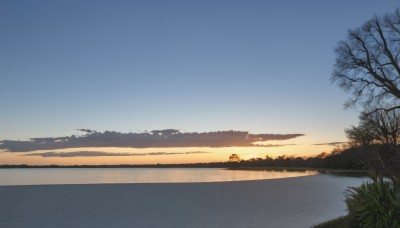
{"x": 329, "y": 144}
{"x": 157, "y": 138}
{"x": 102, "y": 154}
{"x": 274, "y": 145}
{"x": 88, "y": 131}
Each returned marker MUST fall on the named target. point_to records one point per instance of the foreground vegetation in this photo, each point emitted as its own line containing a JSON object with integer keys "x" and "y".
{"x": 375, "y": 204}
{"x": 342, "y": 222}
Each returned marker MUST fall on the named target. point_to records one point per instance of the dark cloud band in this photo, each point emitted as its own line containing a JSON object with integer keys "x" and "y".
{"x": 101, "y": 154}
{"x": 329, "y": 144}
{"x": 159, "y": 138}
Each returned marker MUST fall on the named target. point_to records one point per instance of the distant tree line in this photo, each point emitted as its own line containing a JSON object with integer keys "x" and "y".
{"x": 353, "y": 158}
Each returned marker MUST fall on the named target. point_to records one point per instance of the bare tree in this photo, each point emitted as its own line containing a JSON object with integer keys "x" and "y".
{"x": 360, "y": 135}
{"x": 367, "y": 63}
{"x": 378, "y": 127}
{"x": 384, "y": 125}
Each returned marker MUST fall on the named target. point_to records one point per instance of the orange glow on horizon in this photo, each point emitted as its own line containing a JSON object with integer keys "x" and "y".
{"x": 213, "y": 155}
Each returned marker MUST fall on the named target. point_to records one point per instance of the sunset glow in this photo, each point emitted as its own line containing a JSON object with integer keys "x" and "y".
{"x": 211, "y": 155}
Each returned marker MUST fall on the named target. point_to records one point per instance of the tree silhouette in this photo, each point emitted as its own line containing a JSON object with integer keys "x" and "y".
{"x": 367, "y": 63}
{"x": 386, "y": 125}
{"x": 361, "y": 135}
{"x": 379, "y": 127}
{"x": 234, "y": 158}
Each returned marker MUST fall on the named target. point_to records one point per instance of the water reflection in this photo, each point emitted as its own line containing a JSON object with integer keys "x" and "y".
{"x": 45, "y": 176}
{"x": 349, "y": 174}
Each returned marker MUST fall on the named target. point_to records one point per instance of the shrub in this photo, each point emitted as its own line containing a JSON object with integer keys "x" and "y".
{"x": 375, "y": 204}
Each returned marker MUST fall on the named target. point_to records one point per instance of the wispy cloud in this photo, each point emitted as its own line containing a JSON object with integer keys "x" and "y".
{"x": 273, "y": 145}
{"x": 101, "y": 154}
{"x": 329, "y": 144}
{"x": 158, "y": 138}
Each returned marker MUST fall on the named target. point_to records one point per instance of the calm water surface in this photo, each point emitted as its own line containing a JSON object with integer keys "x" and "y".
{"x": 45, "y": 176}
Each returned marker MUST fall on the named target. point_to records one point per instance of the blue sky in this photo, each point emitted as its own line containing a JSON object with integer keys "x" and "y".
{"x": 259, "y": 66}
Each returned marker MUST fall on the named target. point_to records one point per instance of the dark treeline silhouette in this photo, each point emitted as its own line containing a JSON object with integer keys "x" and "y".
{"x": 377, "y": 135}
{"x": 363, "y": 157}
{"x": 368, "y": 157}
{"x": 156, "y": 138}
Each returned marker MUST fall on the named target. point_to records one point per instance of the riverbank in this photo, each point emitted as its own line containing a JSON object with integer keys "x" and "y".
{"x": 289, "y": 202}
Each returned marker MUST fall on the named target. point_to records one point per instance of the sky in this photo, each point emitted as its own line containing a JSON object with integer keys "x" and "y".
{"x": 261, "y": 67}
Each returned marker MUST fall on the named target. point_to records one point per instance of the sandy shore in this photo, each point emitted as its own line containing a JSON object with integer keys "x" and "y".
{"x": 291, "y": 202}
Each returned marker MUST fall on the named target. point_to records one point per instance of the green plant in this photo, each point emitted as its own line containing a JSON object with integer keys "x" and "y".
{"x": 375, "y": 204}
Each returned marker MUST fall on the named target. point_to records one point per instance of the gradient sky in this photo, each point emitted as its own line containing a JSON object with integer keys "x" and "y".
{"x": 258, "y": 66}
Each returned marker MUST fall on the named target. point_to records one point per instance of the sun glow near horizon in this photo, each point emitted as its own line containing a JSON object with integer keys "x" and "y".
{"x": 150, "y": 156}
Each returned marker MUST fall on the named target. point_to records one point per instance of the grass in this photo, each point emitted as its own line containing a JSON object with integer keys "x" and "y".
{"x": 342, "y": 222}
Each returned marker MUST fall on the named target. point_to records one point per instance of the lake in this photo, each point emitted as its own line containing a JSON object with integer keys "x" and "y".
{"x": 48, "y": 176}
{"x": 281, "y": 202}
